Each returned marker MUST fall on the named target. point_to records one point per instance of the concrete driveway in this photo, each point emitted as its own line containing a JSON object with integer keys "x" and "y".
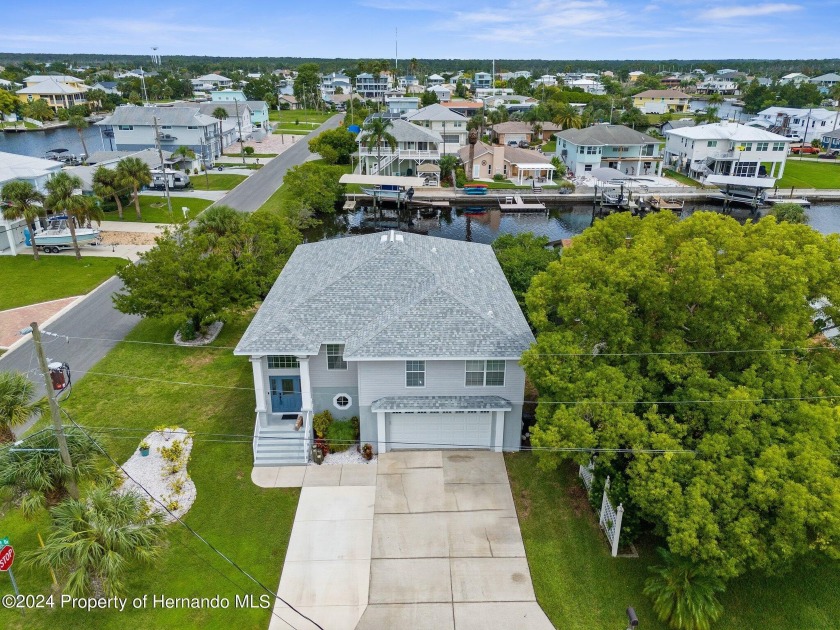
{"x": 445, "y": 549}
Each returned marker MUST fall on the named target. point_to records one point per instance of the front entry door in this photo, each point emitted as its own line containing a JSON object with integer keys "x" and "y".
{"x": 285, "y": 393}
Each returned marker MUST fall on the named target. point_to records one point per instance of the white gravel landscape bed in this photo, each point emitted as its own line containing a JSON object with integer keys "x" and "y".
{"x": 152, "y": 473}
{"x": 350, "y": 456}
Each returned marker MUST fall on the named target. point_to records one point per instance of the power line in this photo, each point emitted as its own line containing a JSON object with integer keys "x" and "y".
{"x": 190, "y": 529}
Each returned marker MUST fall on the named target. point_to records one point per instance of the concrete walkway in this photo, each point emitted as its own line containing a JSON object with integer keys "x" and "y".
{"x": 13, "y": 320}
{"x": 435, "y": 545}
{"x": 210, "y": 195}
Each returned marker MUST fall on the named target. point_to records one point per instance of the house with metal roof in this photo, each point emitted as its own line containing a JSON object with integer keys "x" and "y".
{"x": 415, "y": 146}
{"x": 825, "y": 82}
{"x": 259, "y": 109}
{"x": 609, "y": 146}
{"x": 59, "y": 92}
{"x": 419, "y": 337}
{"x": 661, "y": 101}
{"x": 133, "y": 129}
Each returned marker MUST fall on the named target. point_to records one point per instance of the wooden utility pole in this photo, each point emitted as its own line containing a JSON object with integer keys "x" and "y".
{"x": 162, "y": 166}
{"x": 55, "y": 412}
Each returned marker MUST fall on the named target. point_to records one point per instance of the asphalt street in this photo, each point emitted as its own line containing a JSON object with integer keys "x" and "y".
{"x": 255, "y": 191}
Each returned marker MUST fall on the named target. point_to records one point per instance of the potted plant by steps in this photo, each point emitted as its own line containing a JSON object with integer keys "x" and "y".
{"x": 319, "y": 450}
{"x": 144, "y": 448}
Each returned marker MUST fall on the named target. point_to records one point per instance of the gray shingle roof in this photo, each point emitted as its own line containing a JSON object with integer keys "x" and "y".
{"x": 175, "y": 116}
{"x": 605, "y": 135}
{"x": 435, "y": 111}
{"x": 440, "y": 403}
{"x": 424, "y": 297}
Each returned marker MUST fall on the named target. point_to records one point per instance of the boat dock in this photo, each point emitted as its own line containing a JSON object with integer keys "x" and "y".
{"x": 515, "y": 203}
{"x": 802, "y": 201}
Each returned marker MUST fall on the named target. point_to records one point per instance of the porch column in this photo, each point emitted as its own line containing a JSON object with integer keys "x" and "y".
{"x": 305, "y": 384}
{"x": 500, "y": 431}
{"x": 782, "y": 170}
{"x": 259, "y": 384}
{"x": 382, "y": 446}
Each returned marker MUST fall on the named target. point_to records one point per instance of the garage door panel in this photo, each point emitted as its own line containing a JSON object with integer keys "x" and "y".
{"x": 439, "y": 430}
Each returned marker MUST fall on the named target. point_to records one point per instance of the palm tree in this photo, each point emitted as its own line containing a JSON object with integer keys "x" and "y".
{"x": 220, "y": 114}
{"x": 16, "y": 405}
{"x": 135, "y": 173}
{"x": 217, "y": 221}
{"x": 472, "y": 138}
{"x": 567, "y": 117}
{"x": 62, "y": 197}
{"x": 83, "y": 210}
{"x": 79, "y": 123}
{"x": 39, "y": 110}
{"x": 375, "y": 131}
{"x": 106, "y": 184}
{"x": 683, "y": 596}
{"x": 94, "y": 540}
{"x": 447, "y": 165}
{"x": 23, "y": 201}
{"x": 715, "y": 99}
{"x": 39, "y": 474}
{"x": 536, "y": 131}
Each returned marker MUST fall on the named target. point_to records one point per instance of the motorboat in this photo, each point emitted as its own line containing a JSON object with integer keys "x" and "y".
{"x": 56, "y": 236}
{"x": 64, "y": 156}
{"x": 387, "y": 192}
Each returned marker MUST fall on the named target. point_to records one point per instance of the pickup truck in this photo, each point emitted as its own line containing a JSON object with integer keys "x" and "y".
{"x": 804, "y": 149}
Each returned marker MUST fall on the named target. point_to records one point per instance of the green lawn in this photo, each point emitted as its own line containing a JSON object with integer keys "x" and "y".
{"x": 219, "y": 181}
{"x": 19, "y": 123}
{"x": 549, "y": 147}
{"x": 26, "y": 281}
{"x": 580, "y": 587}
{"x": 807, "y": 174}
{"x": 275, "y": 202}
{"x": 249, "y": 524}
{"x": 294, "y": 131}
{"x": 683, "y": 179}
{"x": 503, "y": 185}
{"x": 155, "y": 209}
{"x": 289, "y": 116}
{"x": 252, "y": 167}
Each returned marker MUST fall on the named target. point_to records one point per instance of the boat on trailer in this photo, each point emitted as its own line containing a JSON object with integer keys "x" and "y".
{"x": 56, "y": 236}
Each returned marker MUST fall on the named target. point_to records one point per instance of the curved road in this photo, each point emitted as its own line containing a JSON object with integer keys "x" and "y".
{"x": 251, "y": 194}
{"x": 95, "y": 316}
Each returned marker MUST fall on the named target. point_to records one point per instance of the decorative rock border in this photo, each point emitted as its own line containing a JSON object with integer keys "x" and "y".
{"x": 213, "y": 331}
{"x": 174, "y": 489}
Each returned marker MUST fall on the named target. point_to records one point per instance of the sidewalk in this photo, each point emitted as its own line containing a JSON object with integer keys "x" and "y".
{"x": 210, "y": 195}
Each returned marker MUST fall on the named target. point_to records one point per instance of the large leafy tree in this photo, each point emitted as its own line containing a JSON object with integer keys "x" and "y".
{"x": 95, "y": 540}
{"x": 307, "y": 83}
{"x": 200, "y": 275}
{"x": 38, "y": 109}
{"x": 17, "y": 404}
{"x": 311, "y": 188}
{"x": 669, "y": 334}
{"x": 334, "y": 145}
{"x": 8, "y": 102}
{"x": 522, "y": 256}
{"x": 21, "y": 200}
{"x": 257, "y": 89}
{"x": 134, "y": 173}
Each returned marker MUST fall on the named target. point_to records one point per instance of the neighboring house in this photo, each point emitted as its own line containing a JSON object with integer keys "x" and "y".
{"x": 590, "y": 86}
{"x": 435, "y": 79}
{"x": 831, "y": 140}
{"x": 407, "y": 81}
{"x": 110, "y": 160}
{"x": 329, "y": 83}
{"x": 259, "y": 109}
{"x": 9, "y": 85}
{"x": 826, "y": 81}
{"x": 109, "y": 87}
{"x": 467, "y": 109}
{"x": 442, "y": 92}
{"x": 797, "y": 78}
{"x": 216, "y": 80}
{"x": 133, "y": 129}
{"x": 804, "y": 124}
{"x": 728, "y": 149}
{"x": 482, "y": 80}
{"x": 546, "y": 80}
{"x": 482, "y": 93}
{"x": 452, "y": 127}
{"x": 418, "y": 337}
{"x": 520, "y": 165}
{"x": 672, "y": 81}
{"x": 661, "y": 101}
{"x": 416, "y": 145}
{"x": 59, "y": 92}
{"x": 402, "y": 105}
{"x": 290, "y": 100}
{"x": 677, "y": 124}
{"x": 512, "y": 76}
{"x": 609, "y": 146}
{"x": 372, "y": 86}
{"x": 518, "y": 131}
{"x": 634, "y": 76}
{"x": 238, "y": 122}
{"x": 36, "y": 171}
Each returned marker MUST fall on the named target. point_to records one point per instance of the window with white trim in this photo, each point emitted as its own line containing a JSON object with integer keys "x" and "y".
{"x": 415, "y": 373}
{"x": 762, "y": 146}
{"x": 279, "y": 362}
{"x": 342, "y": 401}
{"x": 335, "y": 357}
{"x": 489, "y": 373}
{"x": 778, "y": 146}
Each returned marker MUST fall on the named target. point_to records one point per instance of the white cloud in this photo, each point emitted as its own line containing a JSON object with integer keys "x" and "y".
{"x": 728, "y": 13}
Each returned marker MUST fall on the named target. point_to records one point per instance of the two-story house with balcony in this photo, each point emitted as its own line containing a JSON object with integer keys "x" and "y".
{"x": 726, "y": 149}
{"x": 258, "y": 109}
{"x": 451, "y": 126}
{"x": 133, "y": 129}
{"x": 417, "y": 336}
{"x": 373, "y": 86}
{"x": 58, "y": 91}
{"x": 238, "y": 122}
{"x": 482, "y": 80}
{"x": 214, "y": 79}
{"x": 415, "y": 146}
{"x": 609, "y": 146}
{"x": 661, "y": 101}
{"x": 799, "y": 124}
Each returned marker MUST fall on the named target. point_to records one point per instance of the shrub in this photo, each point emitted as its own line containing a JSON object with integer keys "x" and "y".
{"x": 248, "y": 150}
{"x": 177, "y": 486}
{"x": 195, "y": 171}
{"x": 460, "y": 177}
{"x": 367, "y": 452}
{"x": 174, "y": 452}
{"x": 341, "y": 436}
{"x": 498, "y": 177}
{"x": 188, "y": 331}
{"x": 321, "y": 423}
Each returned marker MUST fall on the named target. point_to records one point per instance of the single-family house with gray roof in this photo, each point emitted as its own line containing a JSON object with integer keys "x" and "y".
{"x": 419, "y": 337}
{"x": 415, "y": 146}
{"x": 609, "y": 146}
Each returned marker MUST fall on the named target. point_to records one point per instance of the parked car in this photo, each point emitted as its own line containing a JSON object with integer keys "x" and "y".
{"x": 804, "y": 149}
{"x": 512, "y": 143}
{"x": 831, "y": 155}
{"x": 523, "y": 144}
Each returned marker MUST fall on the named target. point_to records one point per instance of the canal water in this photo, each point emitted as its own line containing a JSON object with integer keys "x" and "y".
{"x": 484, "y": 225}
{"x": 37, "y": 143}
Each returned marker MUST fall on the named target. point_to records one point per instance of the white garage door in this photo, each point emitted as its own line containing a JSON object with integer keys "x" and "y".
{"x": 451, "y": 429}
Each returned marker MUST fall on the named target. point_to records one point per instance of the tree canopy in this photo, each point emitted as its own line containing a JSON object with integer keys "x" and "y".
{"x": 334, "y": 145}
{"x": 522, "y": 256}
{"x": 697, "y": 336}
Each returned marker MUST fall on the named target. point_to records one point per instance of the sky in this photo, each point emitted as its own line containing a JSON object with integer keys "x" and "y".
{"x": 502, "y": 29}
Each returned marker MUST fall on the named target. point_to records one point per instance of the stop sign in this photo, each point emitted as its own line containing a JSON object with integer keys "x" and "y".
{"x": 7, "y": 557}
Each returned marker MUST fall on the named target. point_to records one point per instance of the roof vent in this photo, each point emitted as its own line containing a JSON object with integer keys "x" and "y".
{"x": 472, "y": 270}
{"x": 490, "y": 314}
{"x": 434, "y": 250}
